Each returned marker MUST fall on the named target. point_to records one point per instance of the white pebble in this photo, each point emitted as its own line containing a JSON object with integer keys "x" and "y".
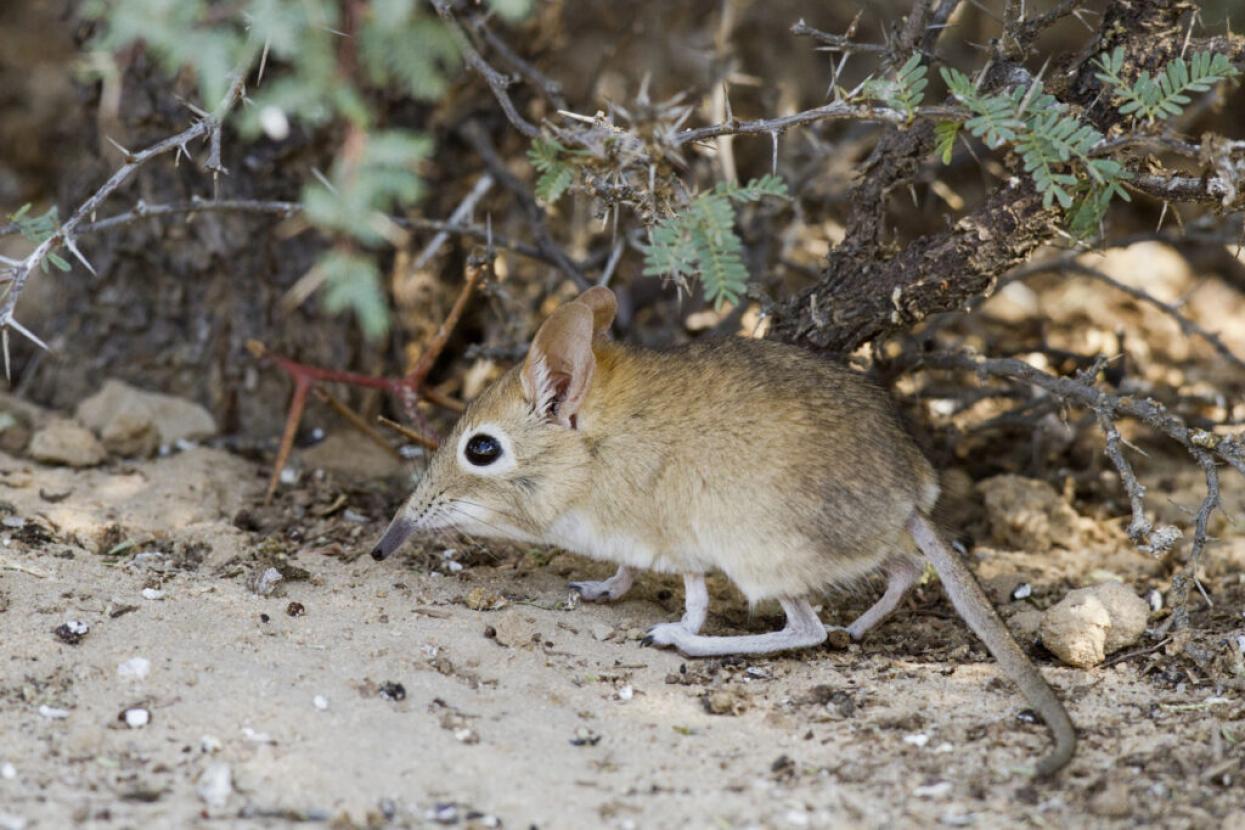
{"x": 137, "y": 717}
{"x": 942, "y": 789}
{"x": 626, "y": 693}
{"x": 215, "y": 784}
{"x": 1240, "y": 643}
{"x": 274, "y": 123}
{"x": 152, "y": 594}
{"x": 1155, "y": 597}
{"x": 77, "y": 627}
{"x": 320, "y": 702}
{"x": 209, "y": 744}
{"x": 136, "y": 668}
{"x": 919, "y": 739}
{"x": 1022, "y": 591}
{"x": 257, "y": 737}
{"x": 7, "y": 771}
{"x": 52, "y": 713}
{"x": 289, "y": 476}
{"x": 944, "y": 747}
{"x": 454, "y": 567}
{"x": 15, "y": 522}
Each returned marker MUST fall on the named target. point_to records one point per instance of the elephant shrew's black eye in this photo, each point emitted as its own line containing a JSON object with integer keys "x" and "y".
{"x": 482, "y": 449}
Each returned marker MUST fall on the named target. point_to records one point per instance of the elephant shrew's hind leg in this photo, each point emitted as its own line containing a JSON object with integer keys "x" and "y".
{"x": 901, "y": 573}
{"x": 607, "y": 589}
{"x": 803, "y": 629}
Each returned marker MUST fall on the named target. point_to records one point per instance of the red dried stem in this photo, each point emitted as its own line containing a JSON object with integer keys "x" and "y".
{"x": 408, "y": 388}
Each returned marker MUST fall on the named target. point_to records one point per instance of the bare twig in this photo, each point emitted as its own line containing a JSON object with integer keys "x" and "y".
{"x": 551, "y": 89}
{"x": 497, "y": 82}
{"x": 1070, "y": 264}
{"x": 358, "y": 422}
{"x": 462, "y": 212}
{"x": 478, "y": 139}
{"x": 1204, "y": 446}
{"x": 838, "y": 43}
{"x": 834, "y": 111}
{"x": 208, "y": 125}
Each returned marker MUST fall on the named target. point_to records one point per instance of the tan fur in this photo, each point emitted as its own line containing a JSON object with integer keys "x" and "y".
{"x": 739, "y": 455}
{"x": 781, "y": 470}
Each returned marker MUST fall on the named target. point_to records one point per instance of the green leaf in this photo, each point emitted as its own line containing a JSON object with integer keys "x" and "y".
{"x": 701, "y": 240}
{"x": 1165, "y": 94}
{"x": 945, "y": 134}
{"x": 906, "y": 91}
{"x": 511, "y": 10}
{"x": 352, "y": 283}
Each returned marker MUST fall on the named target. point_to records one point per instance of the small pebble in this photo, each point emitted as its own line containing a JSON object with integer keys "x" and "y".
{"x": 289, "y": 476}
{"x": 295, "y": 609}
{"x": 392, "y": 691}
{"x": 1155, "y": 597}
{"x": 136, "y": 668}
{"x": 15, "y": 522}
{"x": 601, "y": 631}
{"x": 941, "y": 789}
{"x": 354, "y": 517}
{"x": 1022, "y": 591}
{"x": 7, "y": 771}
{"x": 152, "y": 594}
{"x": 209, "y": 744}
{"x": 267, "y": 582}
{"x": 150, "y": 559}
{"x": 71, "y": 632}
{"x": 136, "y": 717}
{"x": 320, "y": 702}
{"x": 920, "y": 739}
{"x": 215, "y": 784}
{"x": 443, "y": 814}
{"x": 257, "y": 737}
{"x": 53, "y": 713}
{"x": 626, "y": 693}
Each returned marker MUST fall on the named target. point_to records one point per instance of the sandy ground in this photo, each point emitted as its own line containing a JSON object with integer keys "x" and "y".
{"x": 540, "y": 712}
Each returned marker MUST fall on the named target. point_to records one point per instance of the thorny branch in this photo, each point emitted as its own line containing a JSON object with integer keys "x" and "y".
{"x": 1070, "y": 265}
{"x": 498, "y": 82}
{"x": 1206, "y": 447}
{"x": 208, "y": 125}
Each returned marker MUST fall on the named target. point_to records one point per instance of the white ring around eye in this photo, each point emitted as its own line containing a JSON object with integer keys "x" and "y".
{"x": 504, "y": 464}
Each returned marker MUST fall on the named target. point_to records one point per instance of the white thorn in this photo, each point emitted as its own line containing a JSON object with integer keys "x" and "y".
{"x": 73, "y": 247}
{"x": 27, "y": 333}
{"x": 123, "y": 150}
{"x": 263, "y": 62}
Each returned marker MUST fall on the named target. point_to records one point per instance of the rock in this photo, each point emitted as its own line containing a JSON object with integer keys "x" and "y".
{"x": 1112, "y": 801}
{"x": 1027, "y": 514}
{"x": 215, "y": 785}
{"x": 1090, "y": 623}
{"x": 515, "y": 630}
{"x": 1025, "y": 625}
{"x": 350, "y": 455}
{"x": 1129, "y": 614}
{"x": 480, "y": 598}
{"x": 730, "y": 702}
{"x": 65, "y": 442}
{"x": 601, "y": 632}
{"x": 18, "y": 420}
{"x": 132, "y": 421}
